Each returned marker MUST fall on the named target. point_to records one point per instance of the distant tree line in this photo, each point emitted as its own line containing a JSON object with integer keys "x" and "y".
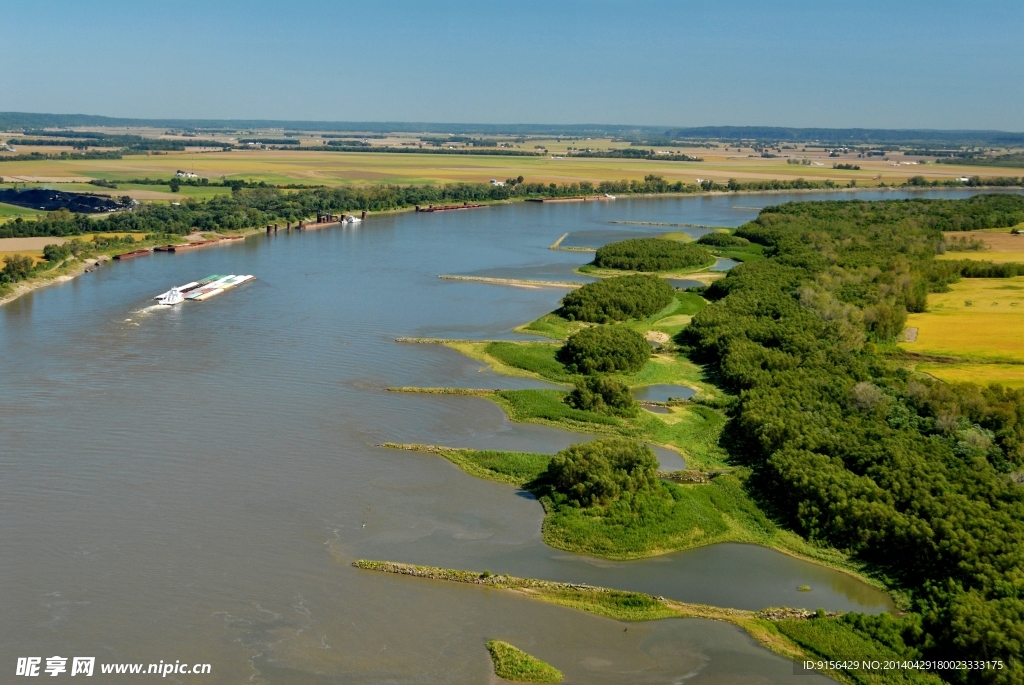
{"x": 83, "y": 139}
{"x": 972, "y": 182}
{"x": 347, "y": 146}
{"x": 90, "y": 154}
{"x": 634, "y": 153}
{"x": 270, "y": 141}
{"x": 256, "y": 203}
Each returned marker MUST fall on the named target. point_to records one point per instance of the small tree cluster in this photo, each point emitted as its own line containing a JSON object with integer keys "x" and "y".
{"x": 16, "y": 268}
{"x": 722, "y": 240}
{"x": 617, "y": 299}
{"x": 605, "y": 349}
{"x": 651, "y": 254}
{"x": 602, "y": 395}
{"x": 598, "y": 473}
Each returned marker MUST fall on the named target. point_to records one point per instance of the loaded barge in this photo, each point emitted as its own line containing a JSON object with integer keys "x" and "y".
{"x": 133, "y": 253}
{"x": 447, "y": 208}
{"x": 576, "y": 198}
{"x": 203, "y": 289}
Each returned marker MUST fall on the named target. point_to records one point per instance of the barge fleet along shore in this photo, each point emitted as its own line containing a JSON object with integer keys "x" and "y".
{"x": 203, "y": 289}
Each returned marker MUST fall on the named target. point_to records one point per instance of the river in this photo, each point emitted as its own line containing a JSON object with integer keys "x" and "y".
{"x": 192, "y": 484}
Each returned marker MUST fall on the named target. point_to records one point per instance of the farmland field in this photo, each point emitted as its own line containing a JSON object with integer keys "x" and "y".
{"x": 979, "y": 319}
{"x": 1010, "y": 375}
{"x": 11, "y": 211}
{"x": 1000, "y": 246}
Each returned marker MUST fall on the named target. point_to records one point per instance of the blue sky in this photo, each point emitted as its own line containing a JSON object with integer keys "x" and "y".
{"x": 873, "y": 64}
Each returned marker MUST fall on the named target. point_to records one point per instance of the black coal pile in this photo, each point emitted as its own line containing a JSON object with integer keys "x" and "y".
{"x": 51, "y": 200}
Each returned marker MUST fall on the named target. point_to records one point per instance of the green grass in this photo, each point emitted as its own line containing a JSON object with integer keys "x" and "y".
{"x": 198, "y": 192}
{"x": 511, "y": 468}
{"x": 538, "y": 358}
{"x": 512, "y": 663}
{"x": 831, "y": 638}
{"x": 692, "y": 428}
{"x": 679, "y": 517}
{"x": 747, "y": 253}
{"x": 690, "y": 303}
{"x": 10, "y": 211}
{"x": 546, "y": 406}
{"x": 671, "y": 319}
{"x": 616, "y": 604}
{"x": 552, "y": 326}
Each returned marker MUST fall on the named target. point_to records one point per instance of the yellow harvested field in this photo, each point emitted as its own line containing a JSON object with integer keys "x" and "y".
{"x": 986, "y": 256}
{"x": 11, "y": 245}
{"x": 1001, "y": 246}
{"x": 1010, "y": 375}
{"x": 978, "y": 319}
{"x": 996, "y": 240}
{"x": 36, "y": 255}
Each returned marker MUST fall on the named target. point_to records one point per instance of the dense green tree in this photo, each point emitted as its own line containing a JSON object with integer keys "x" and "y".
{"x": 652, "y": 254}
{"x": 600, "y": 472}
{"x": 603, "y": 395}
{"x": 605, "y": 349}
{"x": 16, "y": 268}
{"x": 617, "y": 299}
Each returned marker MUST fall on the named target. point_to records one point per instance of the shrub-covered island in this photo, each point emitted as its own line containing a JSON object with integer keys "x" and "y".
{"x": 617, "y": 299}
{"x": 652, "y": 254}
{"x": 605, "y": 349}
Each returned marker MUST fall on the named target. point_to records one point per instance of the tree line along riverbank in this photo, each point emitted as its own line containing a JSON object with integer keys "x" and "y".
{"x": 829, "y": 432}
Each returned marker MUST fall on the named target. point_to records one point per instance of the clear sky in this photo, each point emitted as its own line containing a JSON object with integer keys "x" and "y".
{"x": 893, "y": 64}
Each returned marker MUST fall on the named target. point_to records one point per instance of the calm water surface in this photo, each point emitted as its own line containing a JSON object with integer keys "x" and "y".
{"x": 193, "y": 483}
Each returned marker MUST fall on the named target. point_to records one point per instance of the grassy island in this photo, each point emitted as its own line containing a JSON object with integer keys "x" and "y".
{"x": 512, "y": 663}
{"x": 631, "y": 522}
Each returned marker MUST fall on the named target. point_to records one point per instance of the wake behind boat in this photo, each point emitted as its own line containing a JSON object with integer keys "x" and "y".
{"x": 200, "y": 290}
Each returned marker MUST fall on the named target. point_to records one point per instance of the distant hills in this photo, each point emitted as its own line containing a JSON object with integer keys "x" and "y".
{"x": 16, "y": 121}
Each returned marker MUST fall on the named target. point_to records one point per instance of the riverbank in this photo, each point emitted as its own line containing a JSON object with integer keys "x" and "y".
{"x": 70, "y": 269}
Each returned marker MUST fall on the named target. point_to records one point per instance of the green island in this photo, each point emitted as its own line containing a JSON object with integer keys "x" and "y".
{"x": 821, "y": 427}
{"x": 604, "y": 510}
{"x": 793, "y": 633}
{"x": 512, "y": 663}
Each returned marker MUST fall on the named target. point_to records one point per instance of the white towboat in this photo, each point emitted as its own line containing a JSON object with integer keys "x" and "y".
{"x": 171, "y": 297}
